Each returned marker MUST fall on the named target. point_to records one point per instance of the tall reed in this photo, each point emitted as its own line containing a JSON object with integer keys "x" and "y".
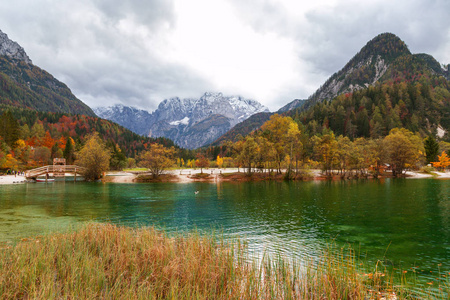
{"x": 111, "y": 262}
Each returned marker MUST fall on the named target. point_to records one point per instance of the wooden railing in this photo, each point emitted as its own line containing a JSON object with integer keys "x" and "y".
{"x": 54, "y": 169}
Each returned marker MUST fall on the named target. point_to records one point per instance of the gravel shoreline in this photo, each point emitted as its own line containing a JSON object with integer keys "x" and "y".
{"x": 183, "y": 175}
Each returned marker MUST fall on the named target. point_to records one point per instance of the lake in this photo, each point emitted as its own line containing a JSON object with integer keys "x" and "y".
{"x": 404, "y": 222}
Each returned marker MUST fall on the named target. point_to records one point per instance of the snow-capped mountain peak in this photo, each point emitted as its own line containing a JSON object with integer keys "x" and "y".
{"x": 190, "y": 123}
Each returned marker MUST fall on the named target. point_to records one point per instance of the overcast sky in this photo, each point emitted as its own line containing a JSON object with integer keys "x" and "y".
{"x": 140, "y": 52}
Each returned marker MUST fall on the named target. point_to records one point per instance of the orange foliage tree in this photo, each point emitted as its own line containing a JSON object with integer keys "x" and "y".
{"x": 201, "y": 162}
{"x": 443, "y": 163}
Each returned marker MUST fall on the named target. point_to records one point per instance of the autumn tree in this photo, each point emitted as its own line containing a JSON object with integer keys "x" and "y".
{"x": 282, "y": 132}
{"x": 94, "y": 157}
{"x": 443, "y": 162}
{"x": 403, "y": 150}
{"x": 22, "y": 153}
{"x": 325, "y": 149}
{"x": 249, "y": 153}
{"x": 360, "y": 156}
{"x": 236, "y": 149}
{"x": 42, "y": 155}
{"x": 376, "y": 154}
{"x": 157, "y": 159}
{"x": 267, "y": 153}
{"x": 201, "y": 162}
{"x": 9, "y": 162}
{"x": 294, "y": 144}
{"x": 219, "y": 161}
{"x": 344, "y": 154}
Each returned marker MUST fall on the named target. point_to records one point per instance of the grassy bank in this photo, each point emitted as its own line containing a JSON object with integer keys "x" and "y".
{"x": 107, "y": 261}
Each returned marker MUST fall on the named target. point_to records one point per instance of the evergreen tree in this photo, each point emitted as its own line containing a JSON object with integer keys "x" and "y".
{"x": 118, "y": 160}
{"x": 69, "y": 151}
{"x": 9, "y": 129}
{"x": 54, "y": 150}
{"x": 431, "y": 149}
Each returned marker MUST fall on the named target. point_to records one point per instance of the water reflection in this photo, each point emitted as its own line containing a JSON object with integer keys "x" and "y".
{"x": 406, "y": 220}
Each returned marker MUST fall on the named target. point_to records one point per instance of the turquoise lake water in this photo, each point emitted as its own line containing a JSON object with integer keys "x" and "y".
{"x": 403, "y": 222}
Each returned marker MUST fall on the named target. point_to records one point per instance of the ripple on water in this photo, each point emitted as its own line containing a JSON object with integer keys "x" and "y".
{"x": 404, "y": 223}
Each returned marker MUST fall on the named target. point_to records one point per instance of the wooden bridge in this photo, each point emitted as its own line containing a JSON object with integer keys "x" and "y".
{"x": 55, "y": 171}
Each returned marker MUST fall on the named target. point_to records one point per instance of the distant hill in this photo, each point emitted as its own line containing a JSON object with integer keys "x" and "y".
{"x": 243, "y": 128}
{"x": 25, "y": 85}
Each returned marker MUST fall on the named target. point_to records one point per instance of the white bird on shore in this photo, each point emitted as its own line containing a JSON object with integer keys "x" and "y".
{"x": 196, "y": 192}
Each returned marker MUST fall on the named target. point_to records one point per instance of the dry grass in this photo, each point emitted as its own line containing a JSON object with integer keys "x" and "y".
{"x": 103, "y": 261}
{"x": 161, "y": 178}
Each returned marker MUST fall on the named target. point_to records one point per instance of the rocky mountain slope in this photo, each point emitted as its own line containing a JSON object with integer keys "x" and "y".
{"x": 190, "y": 123}
{"x": 25, "y": 85}
{"x": 297, "y": 103}
{"x": 134, "y": 119}
{"x": 381, "y": 59}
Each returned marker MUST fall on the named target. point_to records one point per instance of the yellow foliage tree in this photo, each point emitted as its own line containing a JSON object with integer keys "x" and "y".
{"x": 190, "y": 163}
{"x": 22, "y": 153}
{"x": 219, "y": 161}
{"x": 10, "y": 163}
{"x": 403, "y": 150}
{"x": 94, "y": 157}
{"x": 283, "y": 133}
{"x": 157, "y": 159}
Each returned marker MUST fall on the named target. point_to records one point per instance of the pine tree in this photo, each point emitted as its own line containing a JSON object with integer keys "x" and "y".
{"x": 69, "y": 151}
{"x": 9, "y": 129}
{"x": 431, "y": 148}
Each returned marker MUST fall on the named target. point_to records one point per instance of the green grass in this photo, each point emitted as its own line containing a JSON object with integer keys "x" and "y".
{"x": 112, "y": 262}
{"x": 428, "y": 170}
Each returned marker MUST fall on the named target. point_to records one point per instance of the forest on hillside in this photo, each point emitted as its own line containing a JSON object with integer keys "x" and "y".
{"x": 419, "y": 106}
{"x": 30, "y": 138}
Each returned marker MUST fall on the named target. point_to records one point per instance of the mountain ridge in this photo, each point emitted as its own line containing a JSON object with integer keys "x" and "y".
{"x": 375, "y": 62}
{"x": 25, "y": 85}
{"x": 189, "y": 122}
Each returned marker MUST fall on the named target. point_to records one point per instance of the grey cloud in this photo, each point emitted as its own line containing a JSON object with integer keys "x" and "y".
{"x": 82, "y": 45}
{"x": 336, "y": 34}
{"x": 153, "y": 12}
{"x": 86, "y": 43}
{"x": 264, "y": 15}
{"x": 329, "y": 36}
